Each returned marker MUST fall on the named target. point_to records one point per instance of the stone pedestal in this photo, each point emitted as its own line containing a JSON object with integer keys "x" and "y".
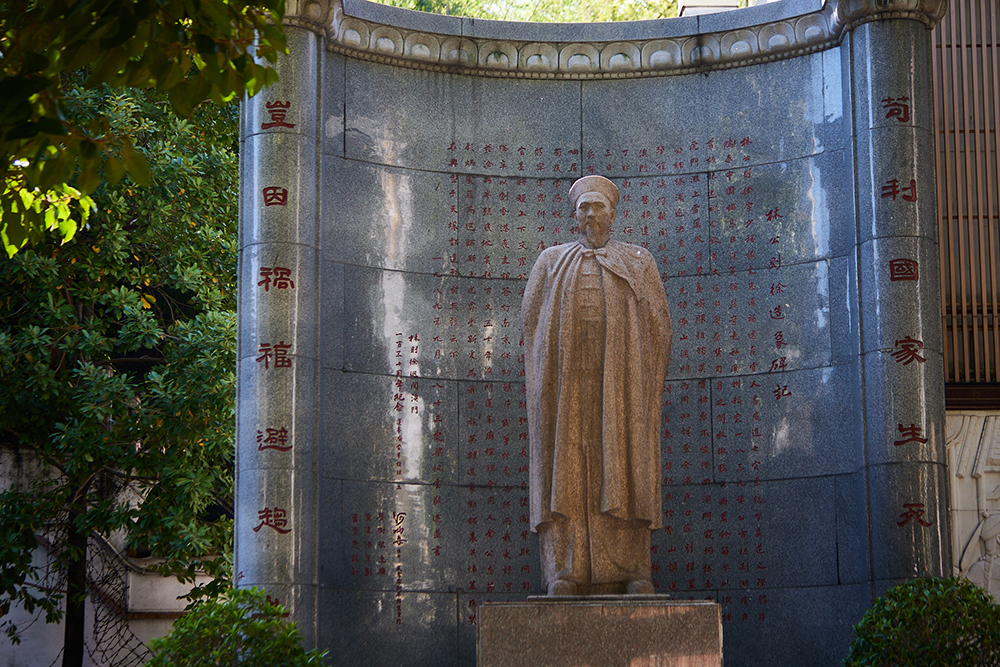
{"x": 598, "y": 631}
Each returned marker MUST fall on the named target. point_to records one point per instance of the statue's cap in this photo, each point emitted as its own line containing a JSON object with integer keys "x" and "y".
{"x": 594, "y": 184}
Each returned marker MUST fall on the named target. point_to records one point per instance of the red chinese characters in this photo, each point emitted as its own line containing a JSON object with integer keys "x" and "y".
{"x": 274, "y": 518}
{"x": 277, "y": 110}
{"x": 910, "y": 433}
{"x": 397, "y": 539}
{"x": 369, "y": 545}
{"x": 913, "y": 512}
{"x": 499, "y": 558}
{"x": 903, "y": 269}
{"x": 275, "y": 196}
{"x": 908, "y": 351}
{"x": 891, "y": 190}
{"x": 897, "y": 107}
{"x": 276, "y": 354}
{"x": 714, "y": 540}
{"x": 273, "y": 438}
{"x": 277, "y": 277}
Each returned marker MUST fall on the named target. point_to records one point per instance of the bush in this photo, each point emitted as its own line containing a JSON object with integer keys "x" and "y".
{"x": 243, "y": 627}
{"x": 928, "y": 622}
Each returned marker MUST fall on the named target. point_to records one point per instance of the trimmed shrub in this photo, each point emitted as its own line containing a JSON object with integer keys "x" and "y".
{"x": 243, "y": 627}
{"x": 928, "y": 623}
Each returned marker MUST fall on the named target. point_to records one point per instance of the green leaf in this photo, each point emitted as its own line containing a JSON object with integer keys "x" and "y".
{"x": 126, "y": 24}
{"x": 88, "y": 181}
{"x": 107, "y": 67}
{"x": 67, "y": 228}
{"x": 205, "y": 44}
{"x": 114, "y": 169}
{"x": 88, "y": 149}
{"x": 13, "y": 232}
{"x": 34, "y": 62}
{"x": 135, "y": 162}
{"x": 15, "y": 89}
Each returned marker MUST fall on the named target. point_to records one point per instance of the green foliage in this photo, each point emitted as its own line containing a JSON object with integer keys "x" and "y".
{"x": 556, "y": 11}
{"x": 189, "y": 51}
{"x": 242, "y": 627}
{"x": 117, "y": 355}
{"x": 928, "y": 623}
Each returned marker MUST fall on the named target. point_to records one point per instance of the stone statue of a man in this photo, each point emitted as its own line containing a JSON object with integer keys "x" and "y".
{"x": 597, "y": 341}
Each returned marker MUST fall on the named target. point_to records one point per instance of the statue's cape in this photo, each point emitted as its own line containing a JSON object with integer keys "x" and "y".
{"x": 637, "y": 349}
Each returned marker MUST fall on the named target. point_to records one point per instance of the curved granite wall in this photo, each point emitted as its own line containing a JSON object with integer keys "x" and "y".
{"x": 399, "y": 182}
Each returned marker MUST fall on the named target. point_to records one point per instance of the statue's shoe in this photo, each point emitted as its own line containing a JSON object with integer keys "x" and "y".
{"x": 562, "y": 587}
{"x": 639, "y": 587}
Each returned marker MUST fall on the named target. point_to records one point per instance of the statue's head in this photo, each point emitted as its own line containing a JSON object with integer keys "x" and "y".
{"x": 594, "y": 199}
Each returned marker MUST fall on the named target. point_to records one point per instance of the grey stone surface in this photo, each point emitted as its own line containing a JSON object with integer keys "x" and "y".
{"x": 901, "y": 79}
{"x": 845, "y": 310}
{"x": 686, "y": 433}
{"x": 893, "y": 164}
{"x": 275, "y": 526}
{"x": 396, "y": 16}
{"x": 276, "y": 415}
{"x": 882, "y": 586}
{"x": 668, "y": 216}
{"x": 853, "y": 553}
{"x": 388, "y": 629}
{"x": 474, "y": 112}
{"x": 333, "y": 96}
{"x": 901, "y": 286}
{"x": 765, "y": 13}
{"x": 784, "y": 94}
{"x": 395, "y": 537}
{"x": 297, "y": 87}
{"x": 793, "y": 208}
{"x": 602, "y": 633}
{"x": 800, "y": 626}
{"x": 385, "y": 217}
{"x": 277, "y": 168}
{"x": 909, "y": 524}
{"x": 747, "y": 534}
{"x": 278, "y": 299}
{"x": 841, "y": 86}
{"x": 492, "y": 434}
{"x": 331, "y": 315}
{"x": 905, "y": 404}
{"x": 382, "y": 428}
{"x": 790, "y": 425}
{"x": 505, "y": 223}
{"x": 464, "y": 328}
{"x": 333, "y": 567}
{"x": 750, "y": 322}
{"x": 497, "y": 552}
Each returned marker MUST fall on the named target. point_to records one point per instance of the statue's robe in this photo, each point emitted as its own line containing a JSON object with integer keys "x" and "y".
{"x": 637, "y": 337}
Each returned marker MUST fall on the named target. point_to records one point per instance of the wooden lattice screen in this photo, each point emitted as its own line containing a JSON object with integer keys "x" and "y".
{"x": 967, "y": 113}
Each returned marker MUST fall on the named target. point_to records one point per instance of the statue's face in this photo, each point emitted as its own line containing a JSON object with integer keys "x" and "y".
{"x": 595, "y": 215}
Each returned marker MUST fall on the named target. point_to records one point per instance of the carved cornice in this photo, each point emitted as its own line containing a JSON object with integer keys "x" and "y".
{"x": 457, "y": 52}
{"x": 852, "y": 13}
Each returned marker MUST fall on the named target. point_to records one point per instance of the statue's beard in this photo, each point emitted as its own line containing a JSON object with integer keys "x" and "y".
{"x": 596, "y": 237}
